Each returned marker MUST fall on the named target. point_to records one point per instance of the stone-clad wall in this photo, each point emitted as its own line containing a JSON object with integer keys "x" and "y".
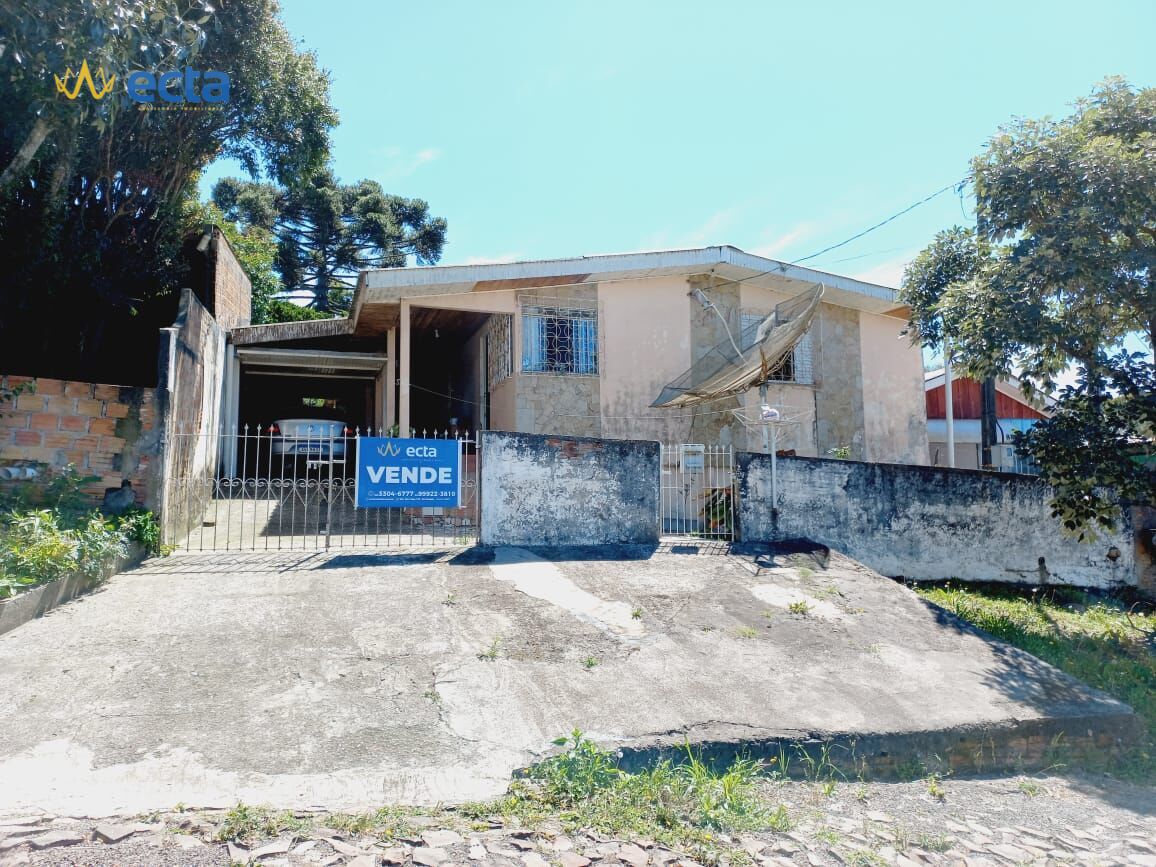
{"x": 927, "y": 523}
{"x": 553, "y": 490}
{"x": 106, "y": 431}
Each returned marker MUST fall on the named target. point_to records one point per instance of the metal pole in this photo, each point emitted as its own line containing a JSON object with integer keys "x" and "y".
{"x": 774, "y": 467}
{"x": 762, "y": 403}
{"x": 948, "y": 401}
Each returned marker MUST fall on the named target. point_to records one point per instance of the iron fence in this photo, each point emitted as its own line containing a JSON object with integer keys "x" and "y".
{"x": 697, "y": 494}
{"x": 260, "y": 489}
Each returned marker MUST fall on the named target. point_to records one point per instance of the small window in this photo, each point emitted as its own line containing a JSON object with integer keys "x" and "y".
{"x": 559, "y": 340}
{"x": 796, "y": 367}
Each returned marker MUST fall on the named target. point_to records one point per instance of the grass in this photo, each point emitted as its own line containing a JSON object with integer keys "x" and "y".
{"x": 590, "y": 662}
{"x": 746, "y": 632}
{"x": 1102, "y": 640}
{"x": 688, "y": 805}
{"x": 491, "y": 652}
{"x": 799, "y": 606}
{"x": 246, "y": 823}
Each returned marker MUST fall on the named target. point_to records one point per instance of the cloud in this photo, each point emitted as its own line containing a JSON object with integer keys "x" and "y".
{"x": 889, "y": 273}
{"x": 400, "y": 164}
{"x": 777, "y": 247}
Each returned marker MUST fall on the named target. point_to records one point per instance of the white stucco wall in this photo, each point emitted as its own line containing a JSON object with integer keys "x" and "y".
{"x": 894, "y": 407}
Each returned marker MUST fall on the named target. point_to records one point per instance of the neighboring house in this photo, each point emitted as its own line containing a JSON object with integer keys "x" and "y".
{"x": 583, "y": 346}
{"x": 1014, "y": 411}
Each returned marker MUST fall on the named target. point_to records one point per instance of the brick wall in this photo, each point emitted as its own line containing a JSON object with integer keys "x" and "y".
{"x": 230, "y": 292}
{"x": 105, "y": 430}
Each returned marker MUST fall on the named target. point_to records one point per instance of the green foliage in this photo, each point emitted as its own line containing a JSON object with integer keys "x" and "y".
{"x": 327, "y": 231}
{"x": 36, "y": 548}
{"x": 141, "y": 526}
{"x": 8, "y": 394}
{"x": 94, "y": 197}
{"x": 1100, "y": 640}
{"x": 1057, "y": 272}
{"x": 718, "y": 509}
{"x": 687, "y": 805}
{"x": 246, "y": 824}
{"x": 841, "y": 453}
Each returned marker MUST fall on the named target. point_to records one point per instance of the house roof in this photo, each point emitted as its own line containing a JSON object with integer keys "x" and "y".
{"x": 1009, "y": 386}
{"x": 382, "y": 287}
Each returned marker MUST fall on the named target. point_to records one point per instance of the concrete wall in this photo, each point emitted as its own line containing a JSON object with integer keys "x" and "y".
{"x": 839, "y": 421}
{"x": 191, "y": 382}
{"x": 107, "y": 431}
{"x": 543, "y": 490}
{"x": 926, "y": 523}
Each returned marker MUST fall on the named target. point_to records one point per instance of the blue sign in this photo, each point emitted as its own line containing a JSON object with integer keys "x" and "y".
{"x": 393, "y": 473}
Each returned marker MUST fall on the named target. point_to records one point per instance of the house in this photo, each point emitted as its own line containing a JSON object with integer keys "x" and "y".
{"x": 1014, "y": 411}
{"x": 583, "y": 346}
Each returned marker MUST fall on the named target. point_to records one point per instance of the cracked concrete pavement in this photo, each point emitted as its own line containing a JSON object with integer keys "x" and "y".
{"x": 346, "y": 680}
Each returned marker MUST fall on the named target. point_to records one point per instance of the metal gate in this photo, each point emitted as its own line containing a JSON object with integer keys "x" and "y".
{"x": 244, "y": 490}
{"x": 698, "y": 491}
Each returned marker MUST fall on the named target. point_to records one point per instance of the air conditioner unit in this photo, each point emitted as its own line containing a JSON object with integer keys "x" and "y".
{"x": 1003, "y": 455}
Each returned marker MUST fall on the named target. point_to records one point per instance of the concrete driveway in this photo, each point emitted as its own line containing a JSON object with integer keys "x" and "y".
{"x": 348, "y": 680}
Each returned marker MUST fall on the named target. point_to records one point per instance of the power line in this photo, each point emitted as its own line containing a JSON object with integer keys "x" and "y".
{"x": 880, "y": 224}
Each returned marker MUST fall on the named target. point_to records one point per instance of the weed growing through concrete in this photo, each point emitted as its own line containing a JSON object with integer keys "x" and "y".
{"x": 246, "y": 823}
{"x": 589, "y": 662}
{"x": 935, "y": 787}
{"x": 685, "y": 805}
{"x": 746, "y": 632}
{"x": 636, "y": 613}
{"x": 1030, "y": 788}
{"x": 800, "y": 606}
{"x": 491, "y": 652}
{"x": 451, "y": 599}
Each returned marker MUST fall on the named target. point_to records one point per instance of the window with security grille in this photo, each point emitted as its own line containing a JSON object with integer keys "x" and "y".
{"x": 796, "y": 367}
{"x": 559, "y": 340}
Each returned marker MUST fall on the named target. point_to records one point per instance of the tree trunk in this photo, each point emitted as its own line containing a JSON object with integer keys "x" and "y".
{"x": 987, "y": 427}
{"x": 27, "y": 152}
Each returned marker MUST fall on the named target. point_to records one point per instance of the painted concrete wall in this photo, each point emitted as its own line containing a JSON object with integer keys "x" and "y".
{"x": 926, "y": 523}
{"x": 839, "y": 396}
{"x": 894, "y": 399}
{"x": 543, "y": 490}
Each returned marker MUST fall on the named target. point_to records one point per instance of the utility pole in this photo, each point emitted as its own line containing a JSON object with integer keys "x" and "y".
{"x": 987, "y": 424}
{"x": 947, "y": 397}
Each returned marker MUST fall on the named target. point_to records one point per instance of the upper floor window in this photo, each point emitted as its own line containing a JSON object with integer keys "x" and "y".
{"x": 797, "y": 366}
{"x": 559, "y": 340}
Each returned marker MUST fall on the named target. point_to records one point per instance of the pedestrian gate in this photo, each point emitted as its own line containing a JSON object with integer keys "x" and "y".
{"x": 244, "y": 490}
{"x": 697, "y": 491}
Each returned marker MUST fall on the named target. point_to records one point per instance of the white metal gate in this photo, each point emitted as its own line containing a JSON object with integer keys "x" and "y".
{"x": 242, "y": 491}
{"x": 698, "y": 491}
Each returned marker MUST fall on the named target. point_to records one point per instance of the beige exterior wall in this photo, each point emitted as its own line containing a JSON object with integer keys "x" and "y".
{"x": 867, "y": 393}
{"x": 894, "y": 406}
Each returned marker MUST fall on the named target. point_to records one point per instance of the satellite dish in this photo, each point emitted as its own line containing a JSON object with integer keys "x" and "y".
{"x": 724, "y": 372}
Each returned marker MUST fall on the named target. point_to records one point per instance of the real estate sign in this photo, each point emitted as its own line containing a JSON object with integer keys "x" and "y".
{"x": 393, "y": 473}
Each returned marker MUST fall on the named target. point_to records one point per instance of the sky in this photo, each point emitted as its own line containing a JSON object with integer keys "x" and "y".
{"x": 544, "y": 130}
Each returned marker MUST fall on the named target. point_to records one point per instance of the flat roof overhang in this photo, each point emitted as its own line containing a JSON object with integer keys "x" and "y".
{"x": 311, "y": 362}
{"x": 380, "y": 291}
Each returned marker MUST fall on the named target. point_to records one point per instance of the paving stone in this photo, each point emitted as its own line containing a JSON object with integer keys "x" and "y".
{"x": 533, "y": 859}
{"x": 343, "y": 848}
{"x": 630, "y": 854}
{"x": 57, "y": 838}
{"x": 184, "y": 841}
{"x": 11, "y": 843}
{"x": 21, "y": 822}
{"x": 237, "y": 855}
{"x": 876, "y": 816}
{"x": 429, "y": 856}
{"x": 277, "y": 847}
{"x": 784, "y": 847}
{"x": 573, "y": 859}
{"x": 441, "y": 839}
{"x": 562, "y": 844}
{"x": 113, "y": 833}
{"x": 1006, "y": 850}
{"x": 477, "y": 852}
{"x": 396, "y": 855}
{"x": 362, "y": 861}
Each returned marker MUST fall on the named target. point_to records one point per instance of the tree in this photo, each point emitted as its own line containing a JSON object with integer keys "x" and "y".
{"x": 1057, "y": 274}
{"x": 327, "y": 231}
{"x": 92, "y": 217}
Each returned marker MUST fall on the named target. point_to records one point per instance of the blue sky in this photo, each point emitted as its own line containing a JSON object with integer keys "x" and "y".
{"x": 547, "y": 129}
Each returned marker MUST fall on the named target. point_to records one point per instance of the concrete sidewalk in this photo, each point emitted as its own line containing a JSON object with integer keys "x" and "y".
{"x": 348, "y": 680}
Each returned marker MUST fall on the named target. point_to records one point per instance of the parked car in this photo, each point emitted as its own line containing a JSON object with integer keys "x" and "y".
{"x": 316, "y": 438}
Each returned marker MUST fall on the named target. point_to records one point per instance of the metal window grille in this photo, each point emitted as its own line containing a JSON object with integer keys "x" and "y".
{"x": 499, "y": 345}
{"x": 797, "y": 367}
{"x": 560, "y": 339}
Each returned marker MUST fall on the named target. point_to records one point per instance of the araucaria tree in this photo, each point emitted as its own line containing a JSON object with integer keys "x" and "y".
{"x": 328, "y": 231}
{"x": 1057, "y": 276}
